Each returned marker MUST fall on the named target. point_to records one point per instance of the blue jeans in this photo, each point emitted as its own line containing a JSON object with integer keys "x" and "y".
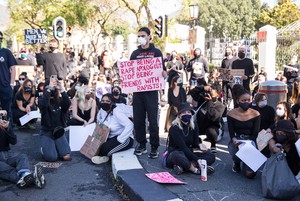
{"x": 12, "y": 165}
{"x": 53, "y": 148}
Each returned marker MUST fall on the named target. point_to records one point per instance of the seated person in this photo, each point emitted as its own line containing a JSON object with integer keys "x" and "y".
{"x": 15, "y": 167}
{"x": 284, "y": 140}
{"x": 53, "y": 106}
{"x": 83, "y": 107}
{"x": 183, "y": 137}
{"x": 120, "y": 137}
{"x": 39, "y": 91}
{"x": 117, "y": 93}
{"x": 243, "y": 124}
{"x": 209, "y": 117}
{"x": 24, "y": 103}
{"x": 22, "y": 78}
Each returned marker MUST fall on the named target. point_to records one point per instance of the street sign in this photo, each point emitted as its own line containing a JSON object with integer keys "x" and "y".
{"x": 192, "y": 36}
{"x": 261, "y": 36}
{"x": 34, "y": 36}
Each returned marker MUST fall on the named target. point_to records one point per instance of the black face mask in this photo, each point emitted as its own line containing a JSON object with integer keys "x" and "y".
{"x": 52, "y": 49}
{"x": 281, "y": 138}
{"x": 241, "y": 55}
{"x": 88, "y": 96}
{"x": 27, "y": 89}
{"x": 197, "y": 55}
{"x": 115, "y": 93}
{"x": 245, "y": 106}
{"x": 105, "y": 106}
{"x": 226, "y": 54}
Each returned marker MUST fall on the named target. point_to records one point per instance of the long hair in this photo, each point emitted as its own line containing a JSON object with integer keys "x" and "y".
{"x": 80, "y": 96}
{"x": 56, "y": 95}
{"x": 288, "y": 112}
{"x": 295, "y": 92}
{"x": 173, "y": 82}
{"x": 22, "y": 87}
{"x": 177, "y": 122}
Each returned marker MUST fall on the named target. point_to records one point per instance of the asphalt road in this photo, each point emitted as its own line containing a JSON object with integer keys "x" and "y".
{"x": 78, "y": 179}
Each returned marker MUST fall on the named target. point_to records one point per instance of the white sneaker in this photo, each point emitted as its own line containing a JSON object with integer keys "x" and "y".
{"x": 26, "y": 180}
{"x": 39, "y": 178}
{"x": 100, "y": 159}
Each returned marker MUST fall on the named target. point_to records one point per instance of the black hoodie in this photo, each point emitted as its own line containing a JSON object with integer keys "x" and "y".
{"x": 150, "y": 52}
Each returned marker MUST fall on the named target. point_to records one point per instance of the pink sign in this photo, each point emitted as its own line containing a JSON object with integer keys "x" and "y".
{"x": 164, "y": 178}
{"x": 141, "y": 75}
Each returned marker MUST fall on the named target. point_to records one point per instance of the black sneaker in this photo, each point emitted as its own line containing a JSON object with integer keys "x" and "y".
{"x": 154, "y": 153}
{"x": 178, "y": 170}
{"x": 141, "y": 149}
{"x": 39, "y": 178}
{"x": 26, "y": 180}
{"x": 236, "y": 167}
{"x": 210, "y": 170}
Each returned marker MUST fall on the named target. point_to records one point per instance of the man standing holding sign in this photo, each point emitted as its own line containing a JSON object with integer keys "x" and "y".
{"x": 246, "y": 64}
{"x": 146, "y": 102}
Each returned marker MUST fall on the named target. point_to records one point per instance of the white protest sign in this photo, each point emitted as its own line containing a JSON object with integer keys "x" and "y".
{"x": 298, "y": 146}
{"x": 29, "y": 116}
{"x": 141, "y": 75}
{"x": 78, "y": 135}
{"x": 251, "y": 156}
{"x": 102, "y": 88}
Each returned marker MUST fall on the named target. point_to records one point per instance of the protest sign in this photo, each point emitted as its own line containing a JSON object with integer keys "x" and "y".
{"x": 78, "y": 135}
{"x": 164, "y": 178}
{"x": 237, "y": 72}
{"x": 29, "y": 116}
{"x": 225, "y": 74}
{"x": 141, "y": 75}
{"x": 34, "y": 36}
{"x": 28, "y": 69}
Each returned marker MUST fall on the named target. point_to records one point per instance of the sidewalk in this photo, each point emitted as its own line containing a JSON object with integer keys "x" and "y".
{"x": 130, "y": 170}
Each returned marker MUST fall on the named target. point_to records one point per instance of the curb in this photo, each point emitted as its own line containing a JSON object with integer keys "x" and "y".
{"x": 129, "y": 173}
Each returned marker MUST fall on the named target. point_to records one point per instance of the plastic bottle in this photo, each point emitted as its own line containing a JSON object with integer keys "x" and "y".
{"x": 203, "y": 170}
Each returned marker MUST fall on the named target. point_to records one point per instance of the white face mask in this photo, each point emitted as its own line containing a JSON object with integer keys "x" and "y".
{"x": 262, "y": 103}
{"x": 142, "y": 41}
{"x": 280, "y": 113}
{"x": 21, "y": 82}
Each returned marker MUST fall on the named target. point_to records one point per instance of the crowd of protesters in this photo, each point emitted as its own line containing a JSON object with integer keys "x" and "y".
{"x": 64, "y": 89}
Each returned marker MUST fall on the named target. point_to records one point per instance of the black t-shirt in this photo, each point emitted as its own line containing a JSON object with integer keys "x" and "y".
{"x": 200, "y": 68}
{"x": 267, "y": 116}
{"x": 19, "y": 96}
{"x": 6, "y": 61}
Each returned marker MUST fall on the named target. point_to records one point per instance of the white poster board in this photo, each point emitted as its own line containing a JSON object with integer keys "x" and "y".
{"x": 29, "y": 116}
{"x": 78, "y": 135}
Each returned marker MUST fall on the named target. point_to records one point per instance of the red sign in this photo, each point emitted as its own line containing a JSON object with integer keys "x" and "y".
{"x": 261, "y": 36}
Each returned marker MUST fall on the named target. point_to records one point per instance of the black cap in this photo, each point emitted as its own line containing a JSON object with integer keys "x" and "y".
{"x": 184, "y": 107}
{"x": 285, "y": 125}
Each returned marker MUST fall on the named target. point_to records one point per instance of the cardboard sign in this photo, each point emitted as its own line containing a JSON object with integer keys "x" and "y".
{"x": 164, "y": 178}
{"x": 225, "y": 74}
{"x": 28, "y": 69}
{"x": 34, "y": 36}
{"x": 141, "y": 75}
{"x": 237, "y": 72}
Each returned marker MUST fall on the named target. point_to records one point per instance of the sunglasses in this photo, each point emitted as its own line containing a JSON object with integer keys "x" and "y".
{"x": 21, "y": 78}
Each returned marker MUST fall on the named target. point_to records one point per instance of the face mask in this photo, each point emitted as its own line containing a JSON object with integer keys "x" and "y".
{"x": 142, "y": 41}
{"x": 88, "y": 96}
{"x": 281, "y": 138}
{"x": 23, "y": 55}
{"x": 186, "y": 118}
{"x": 280, "y": 113}
{"x": 245, "y": 106}
{"x": 262, "y": 104}
{"x": 197, "y": 55}
{"x": 241, "y": 55}
{"x": 27, "y": 89}
{"x": 180, "y": 84}
{"x": 76, "y": 87}
{"x": 115, "y": 93}
{"x": 52, "y": 49}
{"x": 105, "y": 106}
{"x": 21, "y": 82}
{"x": 227, "y": 54}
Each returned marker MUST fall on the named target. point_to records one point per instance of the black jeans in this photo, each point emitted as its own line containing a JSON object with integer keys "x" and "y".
{"x": 146, "y": 103}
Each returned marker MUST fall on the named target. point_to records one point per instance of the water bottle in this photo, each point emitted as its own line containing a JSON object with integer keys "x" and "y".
{"x": 203, "y": 168}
